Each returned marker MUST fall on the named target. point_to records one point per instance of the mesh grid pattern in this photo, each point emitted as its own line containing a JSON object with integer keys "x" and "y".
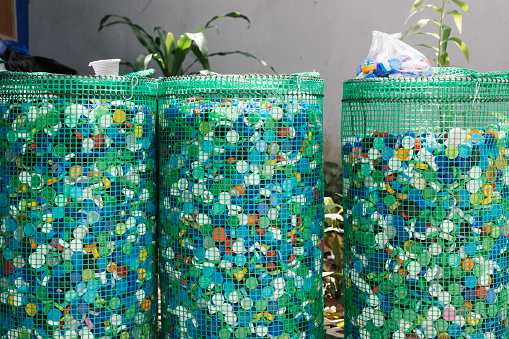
{"x": 426, "y": 189}
{"x": 241, "y": 201}
{"x": 77, "y": 207}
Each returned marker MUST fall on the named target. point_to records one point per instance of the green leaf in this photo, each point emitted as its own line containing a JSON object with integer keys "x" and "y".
{"x": 200, "y": 49}
{"x": 160, "y": 62}
{"x": 103, "y": 20}
{"x": 435, "y": 35}
{"x": 246, "y": 54}
{"x": 417, "y": 3}
{"x": 336, "y": 250}
{"x": 141, "y": 62}
{"x": 161, "y": 33}
{"x": 415, "y": 28}
{"x": 443, "y": 60}
{"x": 200, "y": 41}
{"x": 168, "y": 56}
{"x": 458, "y": 19}
{"x": 338, "y": 275}
{"x": 333, "y": 229}
{"x": 331, "y": 165}
{"x": 143, "y": 37}
{"x": 331, "y": 206}
{"x": 427, "y": 46}
{"x": 169, "y": 44}
{"x": 438, "y": 9}
{"x": 328, "y": 178}
{"x": 183, "y": 47}
{"x": 462, "y": 5}
{"x": 183, "y": 43}
{"x": 420, "y": 9}
{"x": 446, "y": 32}
{"x": 160, "y": 40}
{"x": 230, "y": 15}
{"x": 462, "y": 46}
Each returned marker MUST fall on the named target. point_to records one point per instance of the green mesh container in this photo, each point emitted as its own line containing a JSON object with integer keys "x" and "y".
{"x": 241, "y": 201}
{"x": 77, "y": 207}
{"x": 426, "y": 198}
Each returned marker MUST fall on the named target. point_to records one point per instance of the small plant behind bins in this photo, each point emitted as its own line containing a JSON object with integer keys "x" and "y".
{"x": 171, "y": 57}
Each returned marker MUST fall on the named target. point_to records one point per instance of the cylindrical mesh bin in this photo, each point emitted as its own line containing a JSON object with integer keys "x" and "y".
{"x": 426, "y": 197}
{"x": 241, "y": 206}
{"x": 77, "y": 206}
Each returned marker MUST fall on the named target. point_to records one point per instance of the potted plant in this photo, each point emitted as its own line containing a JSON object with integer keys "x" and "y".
{"x": 170, "y": 54}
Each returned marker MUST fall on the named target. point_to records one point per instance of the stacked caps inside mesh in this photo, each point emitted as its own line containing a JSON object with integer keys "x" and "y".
{"x": 78, "y": 216}
{"x": 241, "y": 216}
{"x": 427, "y": 215}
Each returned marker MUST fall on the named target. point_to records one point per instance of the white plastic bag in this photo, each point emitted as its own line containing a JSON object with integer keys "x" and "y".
{"x": 390, "y": 57}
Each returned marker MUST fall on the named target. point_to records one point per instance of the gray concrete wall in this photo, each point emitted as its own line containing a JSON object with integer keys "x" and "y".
{"x": 329, "y": 36}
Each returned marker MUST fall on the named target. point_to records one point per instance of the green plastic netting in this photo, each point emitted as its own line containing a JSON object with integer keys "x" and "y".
{"x": 77, "y": 207}
{"x": 241, "y": 201}
{"x": 426, "y": 198}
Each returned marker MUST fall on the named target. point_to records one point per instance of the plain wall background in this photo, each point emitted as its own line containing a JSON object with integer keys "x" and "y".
{"x": 329, "y": 36}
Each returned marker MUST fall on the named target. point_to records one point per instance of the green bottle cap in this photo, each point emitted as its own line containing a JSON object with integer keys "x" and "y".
{"x": 457, "y": 300}
{"x": 480, "y": 307}
{"x": 379, "y": 143}
{"x": 242, "y": 333}
{"x": 392, "y": 324}
{"x": 409, "y": 315}
{"x": 251, "y": 283}
{"x": 493, "y": 310}
{"x": 454, "y": 289}
{"x": 130, "y": 313}
{"x": 389, "y": 200}
{"x": 366, "y": 169}
{"x": 478, "y": 270}
{"x": 458, "y": 272}
{"x": 48, "y": 193}
{"x": 204, "y": 281}
{"x": 377, "y": 176}
{"x": 396, "y": 313}
{"x": 224, "y": 333}
{"x": 386, "y": 287}
{"x": 423, "y": 259}
{"x": 261, "y": 305}
{"x": 198, "y": 173}
{"x": 488, "y": 243}
{"x": 441, "y": 325}
{"x": 400, "y": 292}
{"x": 429, "y": 194}
{"x": 429, "y": 175}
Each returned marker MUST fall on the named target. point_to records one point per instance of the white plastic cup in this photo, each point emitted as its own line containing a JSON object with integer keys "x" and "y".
{"x": 105, "y": 67}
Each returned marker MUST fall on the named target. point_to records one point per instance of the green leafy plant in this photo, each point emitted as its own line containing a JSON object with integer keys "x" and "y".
{"x": 170, "y": 56}
{"x": 444, "y": 31}
{"x": 334, "y": 224}
{"x": 334, "y": 241}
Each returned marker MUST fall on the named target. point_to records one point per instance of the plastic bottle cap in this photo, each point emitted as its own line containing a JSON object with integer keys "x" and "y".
{"x": 429, "y": 194}
{"x": 37, "y": 259}
{"x": 433, "y": 313}
{"x": 454, "y": 260}
{"x": 246, "y": 303}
